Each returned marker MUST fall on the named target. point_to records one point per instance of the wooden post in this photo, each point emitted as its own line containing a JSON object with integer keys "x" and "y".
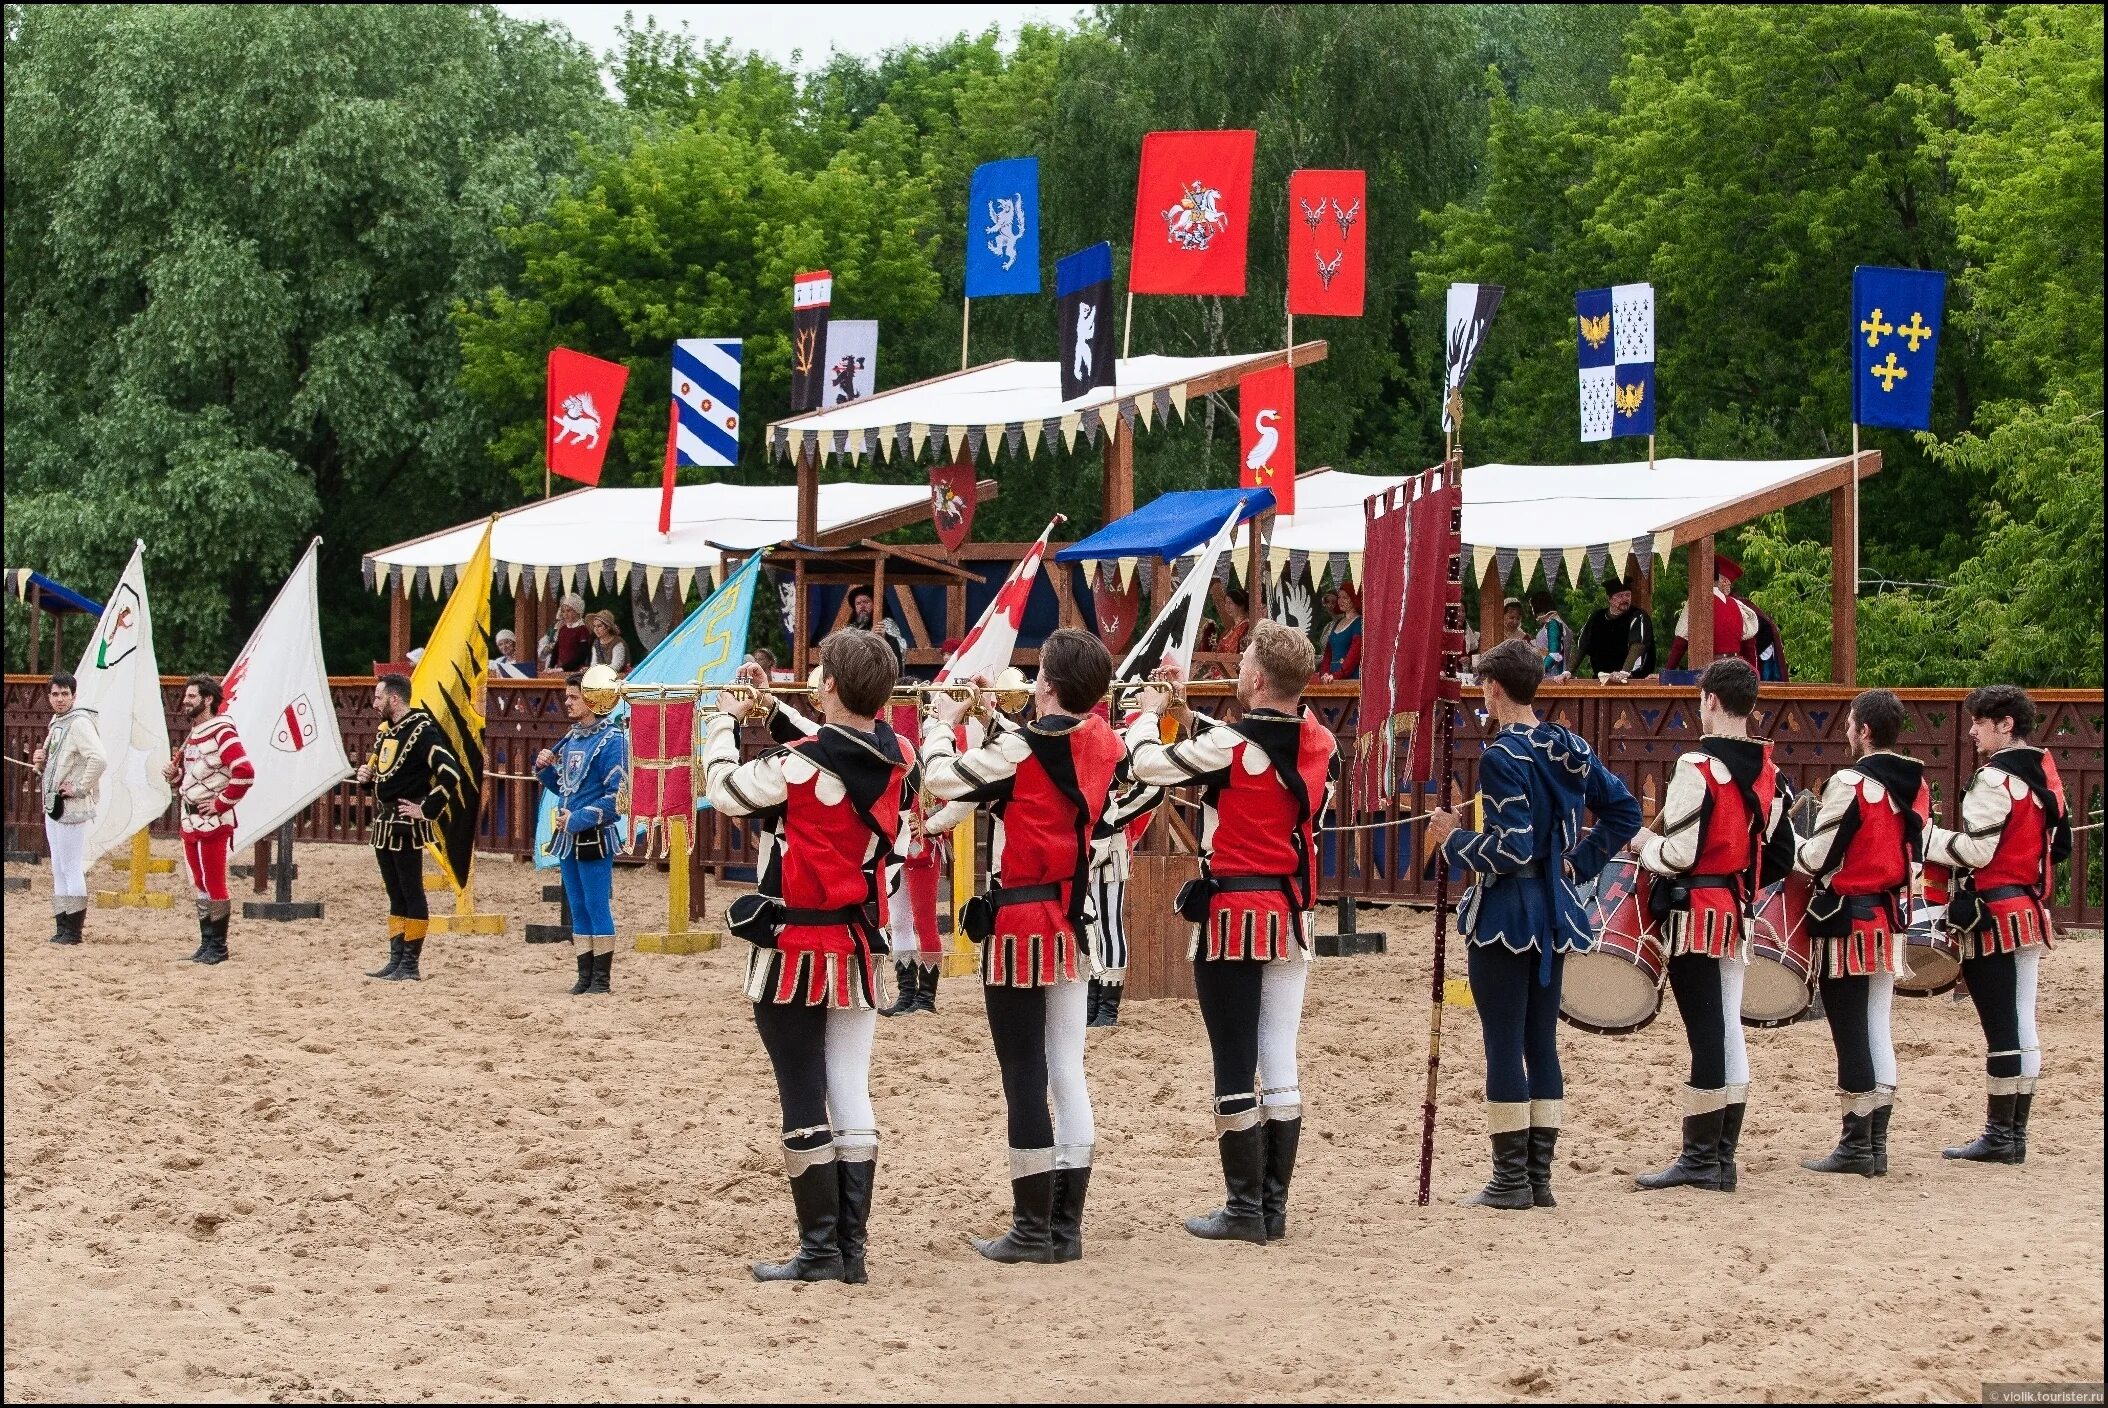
{"x": 1844, "y": 589}
{"x": 1117, "y": 498}
{"x": 1255, "y": 565}
{"x": 965, "y": 325}
{"x": 1698, "y": 606}
{"x": 1491, "y": 624}
{"x": 878, "y": 589}
{"x": 1060, "y": 577}
{"x": 523, "y": 624}
{"x": 399, "y": 620}
{"x": 35, "y": 598}
{"x": 1642, "y": 583}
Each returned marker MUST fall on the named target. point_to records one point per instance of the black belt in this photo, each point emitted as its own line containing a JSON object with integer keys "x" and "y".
{"x": 2006, "y": 892}
{"x": 848, "y": 914}
{"x": 1022, "y": 894}
{"x": 1712, "y": 882}
{"x": 1236, "y": 884}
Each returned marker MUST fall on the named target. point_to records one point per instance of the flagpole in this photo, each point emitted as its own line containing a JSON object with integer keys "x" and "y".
{"x": 965, "y": 324}
{"x": 1650, "y": 452}
{"x": 1127, "y": 330}
{"x": 1854, "y": 607}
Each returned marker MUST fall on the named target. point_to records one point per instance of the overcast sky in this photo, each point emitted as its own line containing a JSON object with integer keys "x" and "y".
{"x": 776, "y": 30}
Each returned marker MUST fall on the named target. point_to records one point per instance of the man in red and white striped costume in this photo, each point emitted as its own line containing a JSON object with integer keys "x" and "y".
{"x": 210, "y": 772}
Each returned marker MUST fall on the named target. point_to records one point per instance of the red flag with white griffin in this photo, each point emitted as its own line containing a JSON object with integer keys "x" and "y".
{"x": 584, "y": 394}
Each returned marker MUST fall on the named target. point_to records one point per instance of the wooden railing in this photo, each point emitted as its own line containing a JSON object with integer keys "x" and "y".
{"x": 1637, "y": 730}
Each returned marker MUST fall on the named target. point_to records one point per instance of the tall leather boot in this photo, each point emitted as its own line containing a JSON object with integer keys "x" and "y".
{"x": 1855, "y": 1144}
{"x": 204, "y": 937}
{"x": 1886, "y": 1094}
{"x": 216, "y": 939}
{"x": 1031, "y": 1234}
{"x": 854, "y": 1178}
{"x": 1731, "y": 1136}
{"x": 1508, "y": 1128}
{"x": 1998, "y": 1144}
{"x": 1108, "y": 996}
{"x": 408, "y": 972}
{"x": 926, "y": 988}
{"x": 904, "y": 978}
{"x": 1545, "y": 1118}
{"x": 603, "y": 972}
{"x": 1282, "y": 1139}
{"x": 395, "y": 956}
{"x": 1242, "y": 1216}
{"x": 816, "y": 1194}
{"x": 2023, "y": 1101}
{"x": 1698, "y": 1166}
{"x": 1071, "y": 1185}
{"x": 585, "y": 971}
{"x": 70, "y": 925}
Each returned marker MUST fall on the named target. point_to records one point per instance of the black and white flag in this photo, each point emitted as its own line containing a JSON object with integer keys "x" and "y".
{"x": 1083, "y": 285}
{"x": 1471, "y": 309}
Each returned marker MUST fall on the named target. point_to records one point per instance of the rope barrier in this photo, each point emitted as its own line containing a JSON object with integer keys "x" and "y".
{"x": 1336, "y": 830}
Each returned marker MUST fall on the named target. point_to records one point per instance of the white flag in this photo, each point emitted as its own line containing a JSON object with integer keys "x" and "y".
{"x": 987, "y": 647}
{"x": 120, "y": 680}
{"x": 1177, "y": 626}
{"x": 278, "y": 697}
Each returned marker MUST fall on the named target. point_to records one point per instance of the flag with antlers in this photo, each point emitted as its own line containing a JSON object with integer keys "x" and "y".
{"x": 1328, "y": 243}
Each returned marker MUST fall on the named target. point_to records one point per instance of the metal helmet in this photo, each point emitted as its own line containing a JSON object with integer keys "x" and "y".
{"x": 602, "y": 689}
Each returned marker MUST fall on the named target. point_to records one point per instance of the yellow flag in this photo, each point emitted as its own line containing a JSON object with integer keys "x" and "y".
{"x": 447, "y": 684}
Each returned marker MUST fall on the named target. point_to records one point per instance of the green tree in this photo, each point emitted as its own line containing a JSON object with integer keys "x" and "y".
{"x": 235, "y": 235}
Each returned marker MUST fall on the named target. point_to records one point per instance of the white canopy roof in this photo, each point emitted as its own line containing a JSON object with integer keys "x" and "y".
{"x": 590, "y": 533}
{"x": 1518, "y": 513}
{"x": 1015, "y": 406}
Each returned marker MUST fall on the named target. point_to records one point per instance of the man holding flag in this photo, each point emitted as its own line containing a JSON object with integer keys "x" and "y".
{"x": 413, "y": 774}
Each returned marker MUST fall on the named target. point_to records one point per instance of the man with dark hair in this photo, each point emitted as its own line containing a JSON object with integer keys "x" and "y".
{"x": 863, "y": 611}
{"x": 72, "y": 762}
{"x": 2015, "y": 829}
{"x": 829, "y": 804}
{"x": 1522, "y": 917}
{"x": 588, "y": 770}
{"x": 1265, "y": 783}
{"x": 1617, "y": 642}
{"x": 1734, "y": 620}
{"x": 1045, "y": 784}
{"x": 1868, "y": 835}
{"x": 1721, "y": 835}
{"x": 413, "y": 773}
{"x": 211, "y": 772}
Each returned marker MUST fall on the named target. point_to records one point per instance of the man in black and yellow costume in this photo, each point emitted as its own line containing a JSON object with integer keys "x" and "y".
{"x": 413, "y": 773}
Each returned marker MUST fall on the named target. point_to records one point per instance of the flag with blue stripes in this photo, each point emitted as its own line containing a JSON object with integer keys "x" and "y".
{"x": 706, "y": 391}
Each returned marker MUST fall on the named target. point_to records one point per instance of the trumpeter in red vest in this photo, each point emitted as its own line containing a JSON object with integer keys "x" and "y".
{"x": 1721, "y": 834}
{"x": 2016, "y": 828}
{"x": 1265, "y": 782}
{"x": 830, "y": 801}
{"x": 1869, "y": 834}
{"x": 1045, "y": 784}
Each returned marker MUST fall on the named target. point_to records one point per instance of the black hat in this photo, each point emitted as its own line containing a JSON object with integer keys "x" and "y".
{"x": 1612, "y": 586}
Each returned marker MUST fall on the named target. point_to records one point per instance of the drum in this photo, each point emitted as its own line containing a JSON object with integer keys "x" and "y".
{"x": 1616, "y": 987}
{"x": 1933, "y": 955}
{"x": 1782, "y": 956}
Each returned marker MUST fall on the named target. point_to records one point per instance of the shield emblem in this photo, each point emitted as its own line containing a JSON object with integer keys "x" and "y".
{"x": 954, "y": 490}
{"x": 296, "y": 726}
{"x": 384, "y": 763}
{"x": 1116, "y": 609}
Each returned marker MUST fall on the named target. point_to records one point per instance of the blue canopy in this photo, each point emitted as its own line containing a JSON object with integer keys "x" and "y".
{"x": 1168, "y": 526}
{"x": 53, "y": 597}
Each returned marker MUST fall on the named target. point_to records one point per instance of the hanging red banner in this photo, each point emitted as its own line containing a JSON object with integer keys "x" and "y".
{"x": 954, "y": 490}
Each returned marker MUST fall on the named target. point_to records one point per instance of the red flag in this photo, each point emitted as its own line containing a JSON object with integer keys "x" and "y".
{"x": 673, "y": 440}
{"x": 1266, "y": 426}
{"x": 1192, "y": 208}
{"x": 584, "y": 394}
{"x": 1118, "y": 608}
{"x": 1328, "y": 243}
{"x": 954, "y": 490}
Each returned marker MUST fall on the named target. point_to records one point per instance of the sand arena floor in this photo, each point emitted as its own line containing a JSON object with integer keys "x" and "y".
{"x": 277, "y": 1180}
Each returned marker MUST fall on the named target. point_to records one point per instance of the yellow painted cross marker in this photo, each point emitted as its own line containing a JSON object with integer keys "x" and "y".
{"x": 1889, "y": 373}
{"x": 1915, "y": 331}
{"x": 135, "y": 894}
{"x": 1875, "y": 329}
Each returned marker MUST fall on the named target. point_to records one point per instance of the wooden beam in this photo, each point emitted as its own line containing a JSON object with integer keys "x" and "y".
{"x": 809, "y": 496}
{"x": 935, "y": 564}
{"x": 1302, "y": 355}
{"x": 1117, "y": 493}
{"x": 399, "y": 622}
{"x": 1255, "y": 565}
{"x": 1064, "y": 582}
{"x": 1844, "y": 588}
{"x": 799, "y": 625}
{"x": 911, "y": 613}
{"x": 1698, "y": 613}
{"x": 1491, "y": 626}
{"x": 1836, "y": 474}
{"x": 1642, "y": 584}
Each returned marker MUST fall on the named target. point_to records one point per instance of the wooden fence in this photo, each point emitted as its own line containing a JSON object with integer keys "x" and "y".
{"x": 1637, "y": 730}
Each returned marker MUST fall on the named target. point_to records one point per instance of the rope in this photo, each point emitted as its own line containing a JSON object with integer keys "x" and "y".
{"x": 1336, "y": 830}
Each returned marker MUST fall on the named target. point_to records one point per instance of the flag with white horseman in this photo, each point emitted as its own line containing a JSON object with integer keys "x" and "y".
{"x": 448, "y": 685}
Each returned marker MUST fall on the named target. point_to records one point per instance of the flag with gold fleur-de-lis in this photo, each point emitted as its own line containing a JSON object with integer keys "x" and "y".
{"x": 1896, "y": 319}
{"x": 1615, "y": 334}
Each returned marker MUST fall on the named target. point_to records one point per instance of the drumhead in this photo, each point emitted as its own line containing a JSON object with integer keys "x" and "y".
{"x": 1607, "y": 995}
{"x": 1772, "y": 994}
{"x": 1934, "y": 968}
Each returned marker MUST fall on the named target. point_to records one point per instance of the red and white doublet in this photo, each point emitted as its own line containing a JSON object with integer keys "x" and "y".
{"x": 1868, "y": 835}
{"x": 1045, "y": 783}
{"x": 830, "y": 802}
{"x": 213, "y": 774}
{"x": 1271, "y": 773}
{"x": 1709, "y": 835}
{"x": 1734, "y": 630}
{"x": 2014, "y": 820}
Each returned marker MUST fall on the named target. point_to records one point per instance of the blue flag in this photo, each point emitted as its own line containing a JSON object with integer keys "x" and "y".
{"x": 1616, "y": 343}
{"x": 1002, "y": 228}
{"x": 710, "y": 646}
{"x": 1896, "y": 319}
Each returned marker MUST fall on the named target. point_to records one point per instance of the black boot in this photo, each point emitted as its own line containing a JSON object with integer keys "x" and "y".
{"x": 585, "y": 972}
{"x": 1509, "y": 1188}
{"x": 215, "y": 940}
{"x": 1698, "y": 1166}
{"x": 395, "y": 959}
{"x": 1998, "y": 1143}
{"x": 1031, "y": 1234}
{"x": 2023, "y": 1101}
{"x": 69, "y": 927}
{"x": 1730, "y": 1141}
{"x": 1544, "y": 1141}
{"x": 1855, "y": 1148}
{"x": 204, "y": 939}
{"x": 817, "y": 1195}
{"x": 1882, "y": 1111}
{"x": 1282, "y": 1137}
{"x": 903, "y": 1003}
{"x": 1105, "y": 998}
{"x": 603, "y": 970}
{"x": 408, "y": 973}
{"x": 1242, "y": 1216}
{"x": 854, "y": 1178}
{"x": 926, "y": 989}
{"x": 1066, "y": 1230}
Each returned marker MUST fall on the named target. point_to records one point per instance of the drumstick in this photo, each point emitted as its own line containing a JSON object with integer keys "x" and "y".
{"x": 1437, "y": 986}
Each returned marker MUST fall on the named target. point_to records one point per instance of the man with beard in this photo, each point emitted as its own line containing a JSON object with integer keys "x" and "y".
{"x": 72, "y": 762}
{"x": 588, "y": 770}
{"x": 1265, "y": 782}
{"x": 414, "y": 776}
{"x": 1618, "y": 641}
{"x": 1868, "y": 835}
{"x": 2015, "y": 830}
{"x": 210, "y": 772}
{"x": 862, "y": 610}
{"x": 1721, "y": 834}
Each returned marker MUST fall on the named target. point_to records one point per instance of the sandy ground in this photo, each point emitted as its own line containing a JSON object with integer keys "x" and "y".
{"x": 275, "y": 1180}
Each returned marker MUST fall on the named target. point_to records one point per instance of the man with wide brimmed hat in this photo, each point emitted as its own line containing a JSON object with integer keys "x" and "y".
{"x": 588, "y": 770}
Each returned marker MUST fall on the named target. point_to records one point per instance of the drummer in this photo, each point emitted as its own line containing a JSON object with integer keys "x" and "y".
{"x": 1868, "y": 835}
{"x": 1721, "y": 833}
